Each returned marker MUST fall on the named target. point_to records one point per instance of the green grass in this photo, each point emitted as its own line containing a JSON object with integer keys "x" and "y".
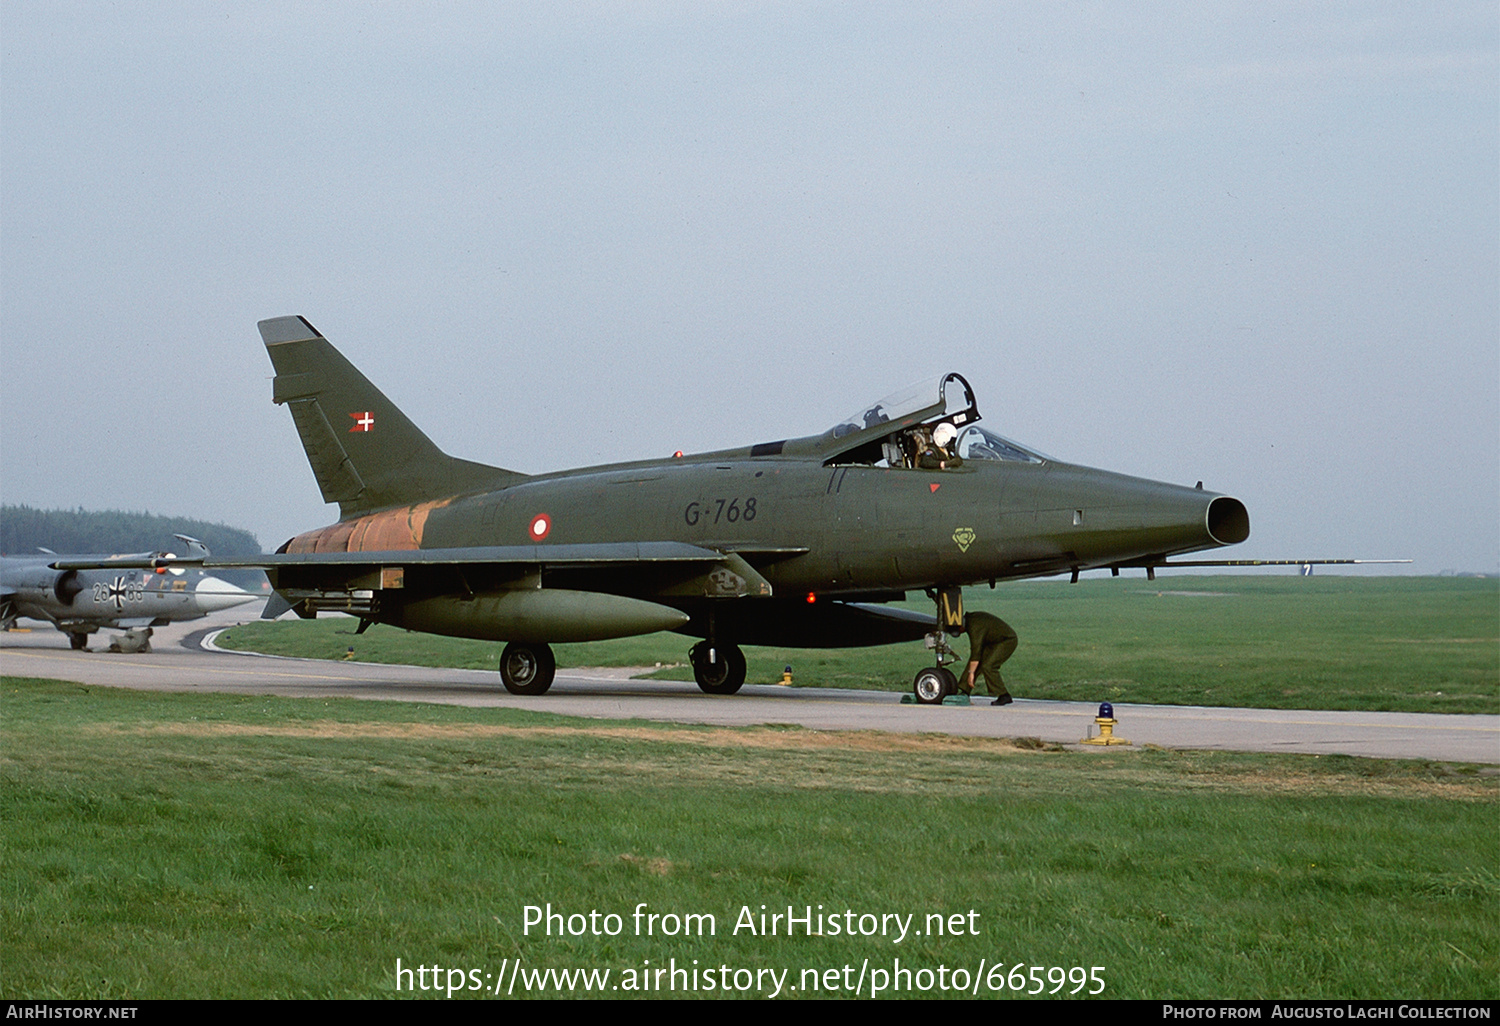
{"x": 228, "y": 846}
{"x": 1409, "y": 644}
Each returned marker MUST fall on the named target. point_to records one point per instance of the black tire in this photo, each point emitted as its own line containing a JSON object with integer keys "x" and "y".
{"x": 932, "y": 684}
{"x": 78, "y": 641}
{"x": 725, "y": 675}
{"x": 527, "y": 669}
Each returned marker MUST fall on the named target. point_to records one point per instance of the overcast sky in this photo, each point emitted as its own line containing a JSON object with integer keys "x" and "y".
{"x": 1255, "y": 244}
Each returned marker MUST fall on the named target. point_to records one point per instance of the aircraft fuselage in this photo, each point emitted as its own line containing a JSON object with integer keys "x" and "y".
{"x": 827, "y": 530}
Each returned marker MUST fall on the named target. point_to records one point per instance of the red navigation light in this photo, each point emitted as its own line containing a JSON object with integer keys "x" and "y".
{"x": 811, "y": 598}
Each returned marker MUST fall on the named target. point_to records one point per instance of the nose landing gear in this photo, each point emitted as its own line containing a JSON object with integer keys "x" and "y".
{"x": 935, "y": 683}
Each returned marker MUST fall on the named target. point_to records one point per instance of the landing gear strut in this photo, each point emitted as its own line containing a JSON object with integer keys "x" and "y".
{"x": 718, "y": 669}
{"x": 527, "y": 669}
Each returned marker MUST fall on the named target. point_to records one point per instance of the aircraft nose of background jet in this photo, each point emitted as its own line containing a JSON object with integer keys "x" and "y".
{"x": 214, "y": 594}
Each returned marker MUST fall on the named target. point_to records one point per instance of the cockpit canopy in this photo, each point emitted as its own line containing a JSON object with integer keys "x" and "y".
{"x": 926, "y": 400}
{"x": 892, "y": 431}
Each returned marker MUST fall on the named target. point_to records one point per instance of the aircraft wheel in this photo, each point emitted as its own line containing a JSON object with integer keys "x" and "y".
{"x": 78, "y": 641}
{"x": 934, "y": 683}
{"x": 724, "y": 675}
{"x": 527, "y": 669}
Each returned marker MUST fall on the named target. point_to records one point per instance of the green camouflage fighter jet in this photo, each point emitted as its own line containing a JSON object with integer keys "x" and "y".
{"x": 792, "y": 543}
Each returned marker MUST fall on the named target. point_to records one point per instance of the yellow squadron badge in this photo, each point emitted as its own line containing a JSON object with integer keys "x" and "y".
{"x": 964, "y": 537}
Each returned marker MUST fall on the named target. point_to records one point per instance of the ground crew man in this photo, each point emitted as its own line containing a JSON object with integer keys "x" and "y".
{"x": 991, "y": 642}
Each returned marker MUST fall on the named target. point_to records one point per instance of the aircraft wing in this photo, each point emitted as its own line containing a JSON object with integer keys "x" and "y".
{"x": 1266, "y": 562}
{"x": 498, "y": 555}
{"x": 349, "y": 581}
{"x": 1153, "y": 563}
{"x": 538, "y": 555}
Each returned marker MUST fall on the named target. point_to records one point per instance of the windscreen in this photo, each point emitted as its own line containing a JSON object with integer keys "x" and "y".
{"x": 978, "y": 444}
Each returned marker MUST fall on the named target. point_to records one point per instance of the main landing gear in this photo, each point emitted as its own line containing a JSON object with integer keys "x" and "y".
{"x": 527, "y": 669}
{"x": 718, "y": 669}
{"x": 137, "y": 639}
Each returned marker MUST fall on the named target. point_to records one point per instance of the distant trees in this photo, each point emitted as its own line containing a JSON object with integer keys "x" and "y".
{"x": 23, "y": 530}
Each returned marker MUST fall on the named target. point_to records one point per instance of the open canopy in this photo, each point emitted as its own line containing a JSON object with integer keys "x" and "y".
{"x": 947, "y": 397}
{"x": 866, "y": 435}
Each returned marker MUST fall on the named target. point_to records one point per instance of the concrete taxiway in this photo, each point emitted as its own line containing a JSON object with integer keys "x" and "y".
{"x": 179, "y": 662}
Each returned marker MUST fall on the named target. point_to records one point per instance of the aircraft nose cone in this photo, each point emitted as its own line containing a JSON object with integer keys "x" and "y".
{"x": 213, "y": 594}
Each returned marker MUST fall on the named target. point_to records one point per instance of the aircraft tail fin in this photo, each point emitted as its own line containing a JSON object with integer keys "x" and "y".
{"x": 364, "y": 452}
{"x": 195, "y": 548}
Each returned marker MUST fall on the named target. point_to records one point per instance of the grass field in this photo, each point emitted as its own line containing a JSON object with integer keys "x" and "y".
{"x": 192, "y": 845}
{"x": 1409, "y": 644}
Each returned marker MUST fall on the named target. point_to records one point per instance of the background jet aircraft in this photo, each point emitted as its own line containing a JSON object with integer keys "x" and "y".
{"x": 111, "y": 591}
{"x": 795, "y": 542}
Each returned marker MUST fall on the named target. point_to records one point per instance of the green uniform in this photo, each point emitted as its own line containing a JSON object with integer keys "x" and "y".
{"x": 991, "y": 642}
{"x": 935, "y": 457}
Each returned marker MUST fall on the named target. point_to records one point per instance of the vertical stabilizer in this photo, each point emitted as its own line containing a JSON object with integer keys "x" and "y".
{"x": 364, "y": 452}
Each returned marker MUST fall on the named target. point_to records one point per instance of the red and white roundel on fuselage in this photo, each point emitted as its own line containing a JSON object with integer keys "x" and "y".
{"x": 541, "y": 526}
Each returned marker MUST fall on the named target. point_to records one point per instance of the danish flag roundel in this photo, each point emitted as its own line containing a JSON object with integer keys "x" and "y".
{"x": 541, "y": 526}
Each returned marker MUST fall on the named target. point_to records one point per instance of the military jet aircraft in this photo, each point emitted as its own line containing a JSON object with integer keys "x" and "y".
{"x": 797, "y": 542}
{"x": 112, "y": 591}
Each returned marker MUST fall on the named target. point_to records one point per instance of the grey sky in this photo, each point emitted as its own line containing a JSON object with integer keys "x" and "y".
{"x": 1254, "y": 244}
